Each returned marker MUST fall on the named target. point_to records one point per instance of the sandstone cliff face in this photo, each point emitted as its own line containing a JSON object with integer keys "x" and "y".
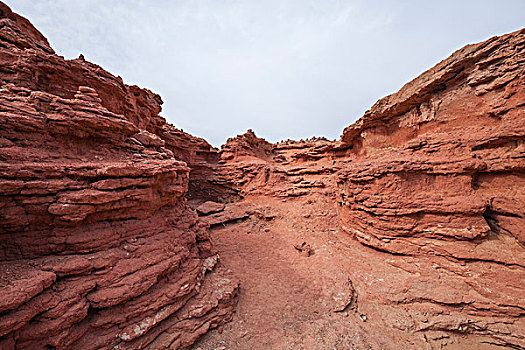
{"x": 437, "y": 171}
{"x": 251, "y": 166}
{"x": 98, "y": 248}
{"x": 408, "y": 232}
{"x": 443, "y": 157}
{"x": 432, "y": 178}
{"x": 28, "y": 61}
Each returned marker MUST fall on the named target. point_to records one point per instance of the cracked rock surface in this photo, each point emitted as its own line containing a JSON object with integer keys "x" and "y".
{"x": 120, "y": 231}
{"x": 98, "y": 247}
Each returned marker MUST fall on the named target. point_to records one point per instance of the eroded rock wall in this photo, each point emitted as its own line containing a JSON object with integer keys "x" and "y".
{"x": 98, "y": 248}
{"x": 436, "y": 171}
{"x": 252, "y": 166}
{"x": 28, "y": 61}
{"x": 432, "y": 179}
{"x": 443, "y": 159}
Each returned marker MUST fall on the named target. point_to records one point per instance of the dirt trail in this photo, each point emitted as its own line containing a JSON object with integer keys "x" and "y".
{"x": 288, "y": 300}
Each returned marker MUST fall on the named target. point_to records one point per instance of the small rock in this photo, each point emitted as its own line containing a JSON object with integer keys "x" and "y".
{"x": 86, "y": 89}
{"x": 304, "y": 248}
{"x": 210, "y": 207}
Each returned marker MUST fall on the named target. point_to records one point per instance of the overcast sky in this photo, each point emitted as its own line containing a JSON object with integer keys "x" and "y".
{"x": 285, "y": 68}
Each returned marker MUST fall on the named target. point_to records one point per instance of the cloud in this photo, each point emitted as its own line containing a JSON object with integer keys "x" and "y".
{"x": 287, "y": 69}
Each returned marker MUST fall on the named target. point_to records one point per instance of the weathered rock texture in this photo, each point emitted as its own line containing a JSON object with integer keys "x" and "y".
{"x": 432, "y": 178}
{"x": 454, "y": 140}
{"x": 408, "y": 232}
{"x": 437, "y": 170}
{"x": 98, "y": 248}
{"x": 28, "y": 61}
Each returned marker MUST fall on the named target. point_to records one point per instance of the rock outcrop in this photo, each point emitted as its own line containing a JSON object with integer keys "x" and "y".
{"x": 432, "y": 179}
{"x": 28, "y": 61}
{"x": 407, "y": 232}
{"x": 251, "y": 166}
{"x": 98, "y": 248}
{"x": 437, "y": 171}
{"x": 443, "y": 157}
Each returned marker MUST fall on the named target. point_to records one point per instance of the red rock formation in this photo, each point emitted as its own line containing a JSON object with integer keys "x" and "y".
{"x": 30, "y": 62}
{"x": 437, "y": 170}
{"x": 453, "y": 138}
{"x": 246, "y": 146}
{"x": 250, "y": 165}
{"x": 407, "y": 232}
{"x": 432, "y": 178}
{"x": 98, "y": 248}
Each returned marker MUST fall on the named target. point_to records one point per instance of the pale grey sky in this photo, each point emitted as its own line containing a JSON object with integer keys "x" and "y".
{"x": 285, "y": 68}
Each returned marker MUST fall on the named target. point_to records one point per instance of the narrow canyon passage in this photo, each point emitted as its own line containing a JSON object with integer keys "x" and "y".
{"x": 288, "y": 298}
{"x": 120, "y": 231}
{"x": 332, "y": 297}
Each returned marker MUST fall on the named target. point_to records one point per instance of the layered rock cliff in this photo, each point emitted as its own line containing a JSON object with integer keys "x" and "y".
{"x": 432, "y": 179}
{"x": 98, "y": 248}
{"x": 436, "y": 172}
{"x": 408, "y": 232}
{"x": 454, "y": 140}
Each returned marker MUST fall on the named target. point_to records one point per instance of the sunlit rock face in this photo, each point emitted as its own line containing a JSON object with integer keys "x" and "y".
{"x": 98, "y": 248}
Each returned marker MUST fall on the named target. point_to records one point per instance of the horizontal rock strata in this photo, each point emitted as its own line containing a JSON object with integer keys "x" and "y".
{"x": 98, "y": 248}
{"x": 421, "y": 199}
{"x": 432, "y": 178}
{"x": 437, "y": 171}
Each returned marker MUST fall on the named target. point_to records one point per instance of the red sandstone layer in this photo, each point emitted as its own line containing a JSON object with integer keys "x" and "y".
{"x": 98, "y": 248}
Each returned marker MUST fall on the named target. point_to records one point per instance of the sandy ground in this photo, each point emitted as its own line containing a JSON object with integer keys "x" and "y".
{"x": 287, "y": 298}
{"x": 333, "y": 298}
